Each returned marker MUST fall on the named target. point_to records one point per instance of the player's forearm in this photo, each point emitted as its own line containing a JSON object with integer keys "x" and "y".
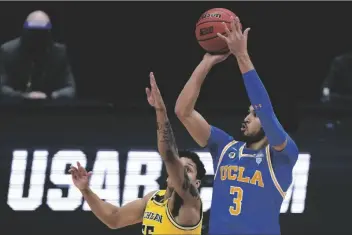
{"x": 189, "y": 95}
{"x": 244, "y": 63}
{"x": 104, "y": 211}
{"x": 168, "y": 151}
{"x": 166, "y": 140}
{"x": 261, "y": 102}
{"x": 254, "y": 86}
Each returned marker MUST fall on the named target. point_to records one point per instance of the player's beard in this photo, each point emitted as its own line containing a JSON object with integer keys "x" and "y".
{"x": 252, "y": 138}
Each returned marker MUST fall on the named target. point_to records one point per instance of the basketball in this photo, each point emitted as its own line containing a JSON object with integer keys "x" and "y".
{"x": 208, "y": 25}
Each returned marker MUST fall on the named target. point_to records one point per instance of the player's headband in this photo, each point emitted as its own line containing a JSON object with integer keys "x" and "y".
{"x": 37, "y": 25}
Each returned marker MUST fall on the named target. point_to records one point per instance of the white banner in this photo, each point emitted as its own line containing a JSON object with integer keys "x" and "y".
{"x": 105, "y": 180}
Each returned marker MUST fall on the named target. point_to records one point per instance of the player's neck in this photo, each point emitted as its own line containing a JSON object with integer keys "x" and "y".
{"x": 258, "y": 145}
{"x": 168, "y": 193}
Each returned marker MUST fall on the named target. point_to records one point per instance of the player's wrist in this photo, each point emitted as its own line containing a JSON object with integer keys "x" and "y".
{"x": 241, "y": 55}
{"x": 244, "y": 62}
{"x": 85, "y": 190}
{"x": 207, "y": 63}
{"x": 160, "y": 110}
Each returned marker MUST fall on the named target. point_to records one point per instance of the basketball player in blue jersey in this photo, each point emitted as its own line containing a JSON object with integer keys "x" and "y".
{"x": 252, "y": 175}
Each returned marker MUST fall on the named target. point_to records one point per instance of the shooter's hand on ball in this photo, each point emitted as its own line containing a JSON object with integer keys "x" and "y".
{"x": 215, "y": 59}
{"x": 235, "y": 38}
{"x": 153, "y": 95}
{"x": 80, "y": 176}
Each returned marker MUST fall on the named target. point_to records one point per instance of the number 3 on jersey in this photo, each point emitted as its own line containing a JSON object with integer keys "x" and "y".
{"x": 237, "y": 200}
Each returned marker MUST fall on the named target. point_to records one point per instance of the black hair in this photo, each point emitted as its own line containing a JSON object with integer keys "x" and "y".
{"x": 200, "y": 174}
{"x": 196, "y": 159}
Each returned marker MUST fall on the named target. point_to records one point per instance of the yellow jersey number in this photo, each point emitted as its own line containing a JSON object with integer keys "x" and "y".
{"x": 147, "y": 230}
{"x": 237, "y": 200}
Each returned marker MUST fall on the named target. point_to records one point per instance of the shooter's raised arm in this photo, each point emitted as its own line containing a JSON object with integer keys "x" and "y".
{"x": 277, "y": 136}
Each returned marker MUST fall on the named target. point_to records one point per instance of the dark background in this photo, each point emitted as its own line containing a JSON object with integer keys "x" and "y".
{"x": 114, "y": 45}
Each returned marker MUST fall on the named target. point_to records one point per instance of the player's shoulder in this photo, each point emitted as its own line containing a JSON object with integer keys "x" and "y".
{"x": 149, "y": 196}
{"x": 290, "y": 150}
{"x": 236, "y": 143}
{"x": 160, "y": 192}
{"x": 219, "y": 134}
{"x": 239, "y": 143}
{"x": 156, "y": 196}
{"x": 218, "y": 130}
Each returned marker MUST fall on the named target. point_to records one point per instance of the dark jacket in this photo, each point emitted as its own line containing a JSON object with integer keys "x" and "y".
{"x": 339, "y": 78}
{"x": 20, "y": 73}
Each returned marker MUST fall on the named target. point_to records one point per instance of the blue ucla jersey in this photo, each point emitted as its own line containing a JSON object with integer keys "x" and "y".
{"x": 249, "y": 186}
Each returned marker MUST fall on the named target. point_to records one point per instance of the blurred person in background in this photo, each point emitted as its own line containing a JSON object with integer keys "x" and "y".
{"x": 337, "y": 87}
{"x": 33, "y": 66}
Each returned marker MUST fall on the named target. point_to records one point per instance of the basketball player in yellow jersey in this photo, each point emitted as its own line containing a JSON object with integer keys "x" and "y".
{"x": 174, "y": 211}
{"x": 178, "y": 209}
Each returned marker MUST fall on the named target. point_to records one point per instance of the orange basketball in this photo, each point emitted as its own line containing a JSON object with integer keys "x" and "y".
{"x": 208, "y": 25}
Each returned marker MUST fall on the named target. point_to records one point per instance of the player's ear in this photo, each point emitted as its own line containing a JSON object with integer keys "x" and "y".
{"x": 198, "y": 182}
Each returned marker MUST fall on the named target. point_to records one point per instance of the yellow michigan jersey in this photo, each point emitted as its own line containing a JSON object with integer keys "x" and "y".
{"x": 157, "y": 219}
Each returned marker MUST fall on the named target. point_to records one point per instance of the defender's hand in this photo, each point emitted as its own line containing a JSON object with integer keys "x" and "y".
{"x": 80, "y": 176}
{"x": 153, "y": 95}
{"x": 236, "y": 39}
{"x": 215, "y": 59}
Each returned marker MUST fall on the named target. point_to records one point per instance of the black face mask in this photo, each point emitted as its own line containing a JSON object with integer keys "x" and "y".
{"x": 36, "y": 41}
